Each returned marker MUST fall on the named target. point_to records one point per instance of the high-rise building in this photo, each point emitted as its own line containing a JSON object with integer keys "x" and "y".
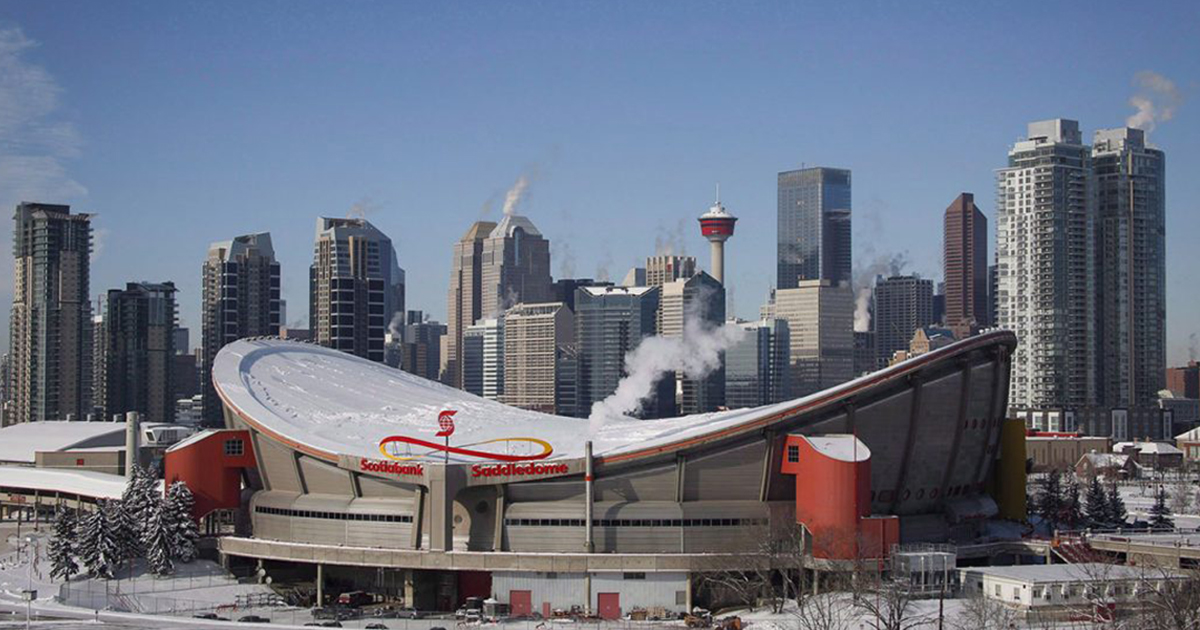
{"x": 1131, "y": 261}
{"x": 50, "y": 331}
{"x": 1045, "y": 243}
{"x": 356, "y": 287}
{"x": 814, "y": 226}
{"x": 820, "y": 317}
{"x": 610, "y": 322}
{"x": 902, "y": 305}
{"x": 515, "y": 267}
{"x": 665, "y": 268}
{"x": 182, "y": 340}
{"x": 241, "y": 298}
{"x": 483, "y": 358}
{"x": 95, "y": 407}
{"x": 993, "y": 292}
{"x": 1184, "y": 381}
{"x": 420, "y": 345}
{"x": 756, "y": 367}
{"x": 965, "y": 266}
{"x": 465, "y": 301}
{"x": 564, "y": 289}
{"x": 535, "y": 341}
{"x": 866, "y": 356}
{"x": 687, "y": 307}
{"x": 140, "y": 326}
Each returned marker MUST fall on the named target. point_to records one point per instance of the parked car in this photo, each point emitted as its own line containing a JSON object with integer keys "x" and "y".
{"x": 410, "y": 613}
{"x": 354, "y": 599}
{"x": 376, "y": 626}
{"x": 210, "y": 617}
{"x": 253, "y": 619}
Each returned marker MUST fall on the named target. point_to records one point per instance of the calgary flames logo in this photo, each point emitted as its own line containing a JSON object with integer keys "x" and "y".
{"x": 446, "y": 429}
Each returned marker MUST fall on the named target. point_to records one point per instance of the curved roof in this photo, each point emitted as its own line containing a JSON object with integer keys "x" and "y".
{"x": 329, "y": 403}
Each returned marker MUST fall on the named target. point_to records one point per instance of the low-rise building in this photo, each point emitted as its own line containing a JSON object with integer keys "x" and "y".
{"x": 1065, "y": 590}
{"x": 1060, "y": 451}
{"x": 1106, "y": 465}
{"x": 1189, "y": 443}
{"x": 1152, "y": 455}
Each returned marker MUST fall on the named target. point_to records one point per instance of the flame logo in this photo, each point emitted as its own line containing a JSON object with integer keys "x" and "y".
{"x": 466, "y": 449}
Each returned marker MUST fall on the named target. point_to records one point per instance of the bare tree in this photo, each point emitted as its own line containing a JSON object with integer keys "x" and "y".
{"x": 887, "y": 604}
{"x": 830, "y": 611}
{"x": 980, "y": 613}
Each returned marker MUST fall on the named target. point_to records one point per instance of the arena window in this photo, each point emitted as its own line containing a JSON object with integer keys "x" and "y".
{"x": 234, "y": 448}
{"x": 336, "y": 516}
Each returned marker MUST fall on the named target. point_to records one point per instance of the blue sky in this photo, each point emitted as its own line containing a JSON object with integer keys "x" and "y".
{"x": 181, "y": 123}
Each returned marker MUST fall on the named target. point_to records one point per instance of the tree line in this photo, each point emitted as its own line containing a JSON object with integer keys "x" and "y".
{"x": 143, "y": 523}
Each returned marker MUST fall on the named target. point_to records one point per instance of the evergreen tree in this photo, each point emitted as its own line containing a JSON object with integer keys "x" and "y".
{"x": 1118, "y": 516}
{"x": 1096, "y": 505}
{"x": 157, "y": 539}
{"x": 99, "y": 549}
{"x": 1160, "y": 512}
{"x": 1072, "y": 509}
{"x": 1050, "y": 500}
{"x": 139, "y": 495}
{"x": 62, "y": 546}
{"x": 178, "y": 510}
{"x": 123, "y": 530}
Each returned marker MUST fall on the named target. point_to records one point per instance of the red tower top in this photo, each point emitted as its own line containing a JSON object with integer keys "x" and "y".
{"x": 717, "y": 224}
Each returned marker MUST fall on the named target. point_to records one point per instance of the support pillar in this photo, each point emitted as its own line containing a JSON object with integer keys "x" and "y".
{"x": 410, "y": 590}
{"x": 587, "y": 592}
{"x": 589, "y": 546}
{"x": 687, "y": 599}
{"x": 320, "y": 585}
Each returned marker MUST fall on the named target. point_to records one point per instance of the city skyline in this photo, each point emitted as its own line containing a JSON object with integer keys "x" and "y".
{"x": 577, "y": 179}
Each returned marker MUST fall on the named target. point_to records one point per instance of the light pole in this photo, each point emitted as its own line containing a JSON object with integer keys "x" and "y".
{"x": 29, "y": 592}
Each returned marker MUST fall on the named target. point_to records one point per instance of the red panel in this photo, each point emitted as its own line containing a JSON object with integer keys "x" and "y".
{"x": 473, "y": 584}
{"x": 609, "y": 605}
{"x": 521, "y": 603}
{"x": 546, "y": 610}
{"x": 213, "y": 476}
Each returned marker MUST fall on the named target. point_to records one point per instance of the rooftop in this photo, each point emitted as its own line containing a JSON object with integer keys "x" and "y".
{"x": 1057, "y": 573}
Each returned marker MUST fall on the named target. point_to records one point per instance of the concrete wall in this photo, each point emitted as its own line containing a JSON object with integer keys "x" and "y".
{"x": 563, "y": 590}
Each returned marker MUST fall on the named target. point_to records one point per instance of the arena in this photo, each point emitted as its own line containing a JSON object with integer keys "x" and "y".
{"x": 444, "y": 495}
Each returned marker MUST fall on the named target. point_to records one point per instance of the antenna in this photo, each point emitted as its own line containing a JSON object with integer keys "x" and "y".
{"x": 718, "y": 193}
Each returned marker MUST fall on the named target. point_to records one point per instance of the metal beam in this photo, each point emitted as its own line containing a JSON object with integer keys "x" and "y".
{"x": 964, "y": 401}
{"x": 914, "y": 413}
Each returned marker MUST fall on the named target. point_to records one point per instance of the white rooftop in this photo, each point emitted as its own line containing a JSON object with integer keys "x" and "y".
{"x": 341, "y": 404}
{"x": 87, "y": 483}
{"x": 510, "y": 223}
{"x": 598, "y": 291}
{"x": 842, "y": 447}
{"x": 1057, "y": 573}
{"x": 1153, "y": 448}
{"x": 19, "y": 442}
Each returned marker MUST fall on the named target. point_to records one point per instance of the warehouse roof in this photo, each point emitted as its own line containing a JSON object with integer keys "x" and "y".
{"x": 19, "y": 442}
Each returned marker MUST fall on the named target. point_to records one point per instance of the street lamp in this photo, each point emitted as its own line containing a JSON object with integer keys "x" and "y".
{"x": 29, "y": 593}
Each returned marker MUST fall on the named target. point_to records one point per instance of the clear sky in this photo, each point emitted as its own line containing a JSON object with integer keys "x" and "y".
{"x": 183, "y": 123}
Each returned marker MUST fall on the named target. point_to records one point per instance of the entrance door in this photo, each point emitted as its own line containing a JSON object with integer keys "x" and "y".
{"x": 609, "y": 605}
{"x": 521, "y": 603}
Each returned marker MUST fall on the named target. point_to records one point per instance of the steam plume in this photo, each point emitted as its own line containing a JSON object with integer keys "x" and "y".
{"x": 1193, "y": 347}
{"x": 864, "y": 279}
{"x": 1155, "y": 100}
{"x": 513, "y": 198}
{"x": 697, "y": 353}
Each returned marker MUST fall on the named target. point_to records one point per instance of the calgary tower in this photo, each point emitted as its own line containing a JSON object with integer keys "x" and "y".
{"x": 717, "y": 226}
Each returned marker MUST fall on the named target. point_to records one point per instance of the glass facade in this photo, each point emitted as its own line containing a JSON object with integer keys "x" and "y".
{"x": 814, "y": 226}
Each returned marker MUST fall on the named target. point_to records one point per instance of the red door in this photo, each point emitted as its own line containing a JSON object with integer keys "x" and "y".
{"x": 546, "y": 610}
{"x": 521, "y": 603}
{"x": 609, "y": 604}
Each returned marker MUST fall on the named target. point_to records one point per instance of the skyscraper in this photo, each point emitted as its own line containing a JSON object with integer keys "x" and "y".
{"x": 814, "y": 226}
{"x": 50, "y": 334}
{"x": 465, "y": 301}
{"x": 610, "y": 322}
{"x": 515, "y": 266}
{"x": 965, "y": 266}
{"x": 902, "y": 305}
{"x": 420, "y": 345}
{"x": 756, "y": 367}
{"x": 356, "y": 287}
{"x": 665, "y": 268}
{"x": 687, "y": 306}
{"x": 535, "y": 341}
{"x": 483, "y": 358}
{"x": 241, "y": 298}
{"x": 820, "y": 317}
{"x": 1045, "y": 245}
{"x": 1131, "y": 260}
{"x": 140, "y": 351}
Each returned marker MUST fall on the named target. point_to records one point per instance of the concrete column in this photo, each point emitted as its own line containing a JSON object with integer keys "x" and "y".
{"x": 132, "y": 422}
{"x": 410, "y": 590}
{"x": 320, "y": 585}
{"x": 718, "y": 260}
{"x": 687, "y": 597}
{"x": 589, "y": 546}
{"x": 444, "y": 484}
{"x": 587, "y": 592}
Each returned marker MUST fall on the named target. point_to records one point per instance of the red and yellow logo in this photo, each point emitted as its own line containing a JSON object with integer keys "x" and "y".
{"x": 446, "y": 429}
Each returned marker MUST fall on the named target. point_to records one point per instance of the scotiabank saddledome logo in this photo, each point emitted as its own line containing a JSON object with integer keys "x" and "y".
{"x": 533, "y": 448}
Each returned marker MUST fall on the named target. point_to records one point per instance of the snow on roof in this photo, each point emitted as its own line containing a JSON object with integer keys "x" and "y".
{"x": 1056, "y": 573}
{"x": 330, "y": 401}
{"x": 83, "y": 482}
{"x": 606, "y": 290}
{"x": 19, "y": 442}
{"x": 1194, "y": 434}
{"x": 845, "y": 448}
{"x": 510, "y": 223}
{"x": 1151, "y": 448}
{"x": 1104, "y": 460}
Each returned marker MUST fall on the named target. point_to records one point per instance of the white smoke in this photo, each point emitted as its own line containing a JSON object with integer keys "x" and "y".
{"x": 513, "y": 198}
{"x": 671, "y": 241}
{"x": 1193, "y": 347}
{"x": 864, "y": 280}
{"x": 396, "y": 326}
{"x": 1156, "y": 100}
{"x": 697, "y": 353}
